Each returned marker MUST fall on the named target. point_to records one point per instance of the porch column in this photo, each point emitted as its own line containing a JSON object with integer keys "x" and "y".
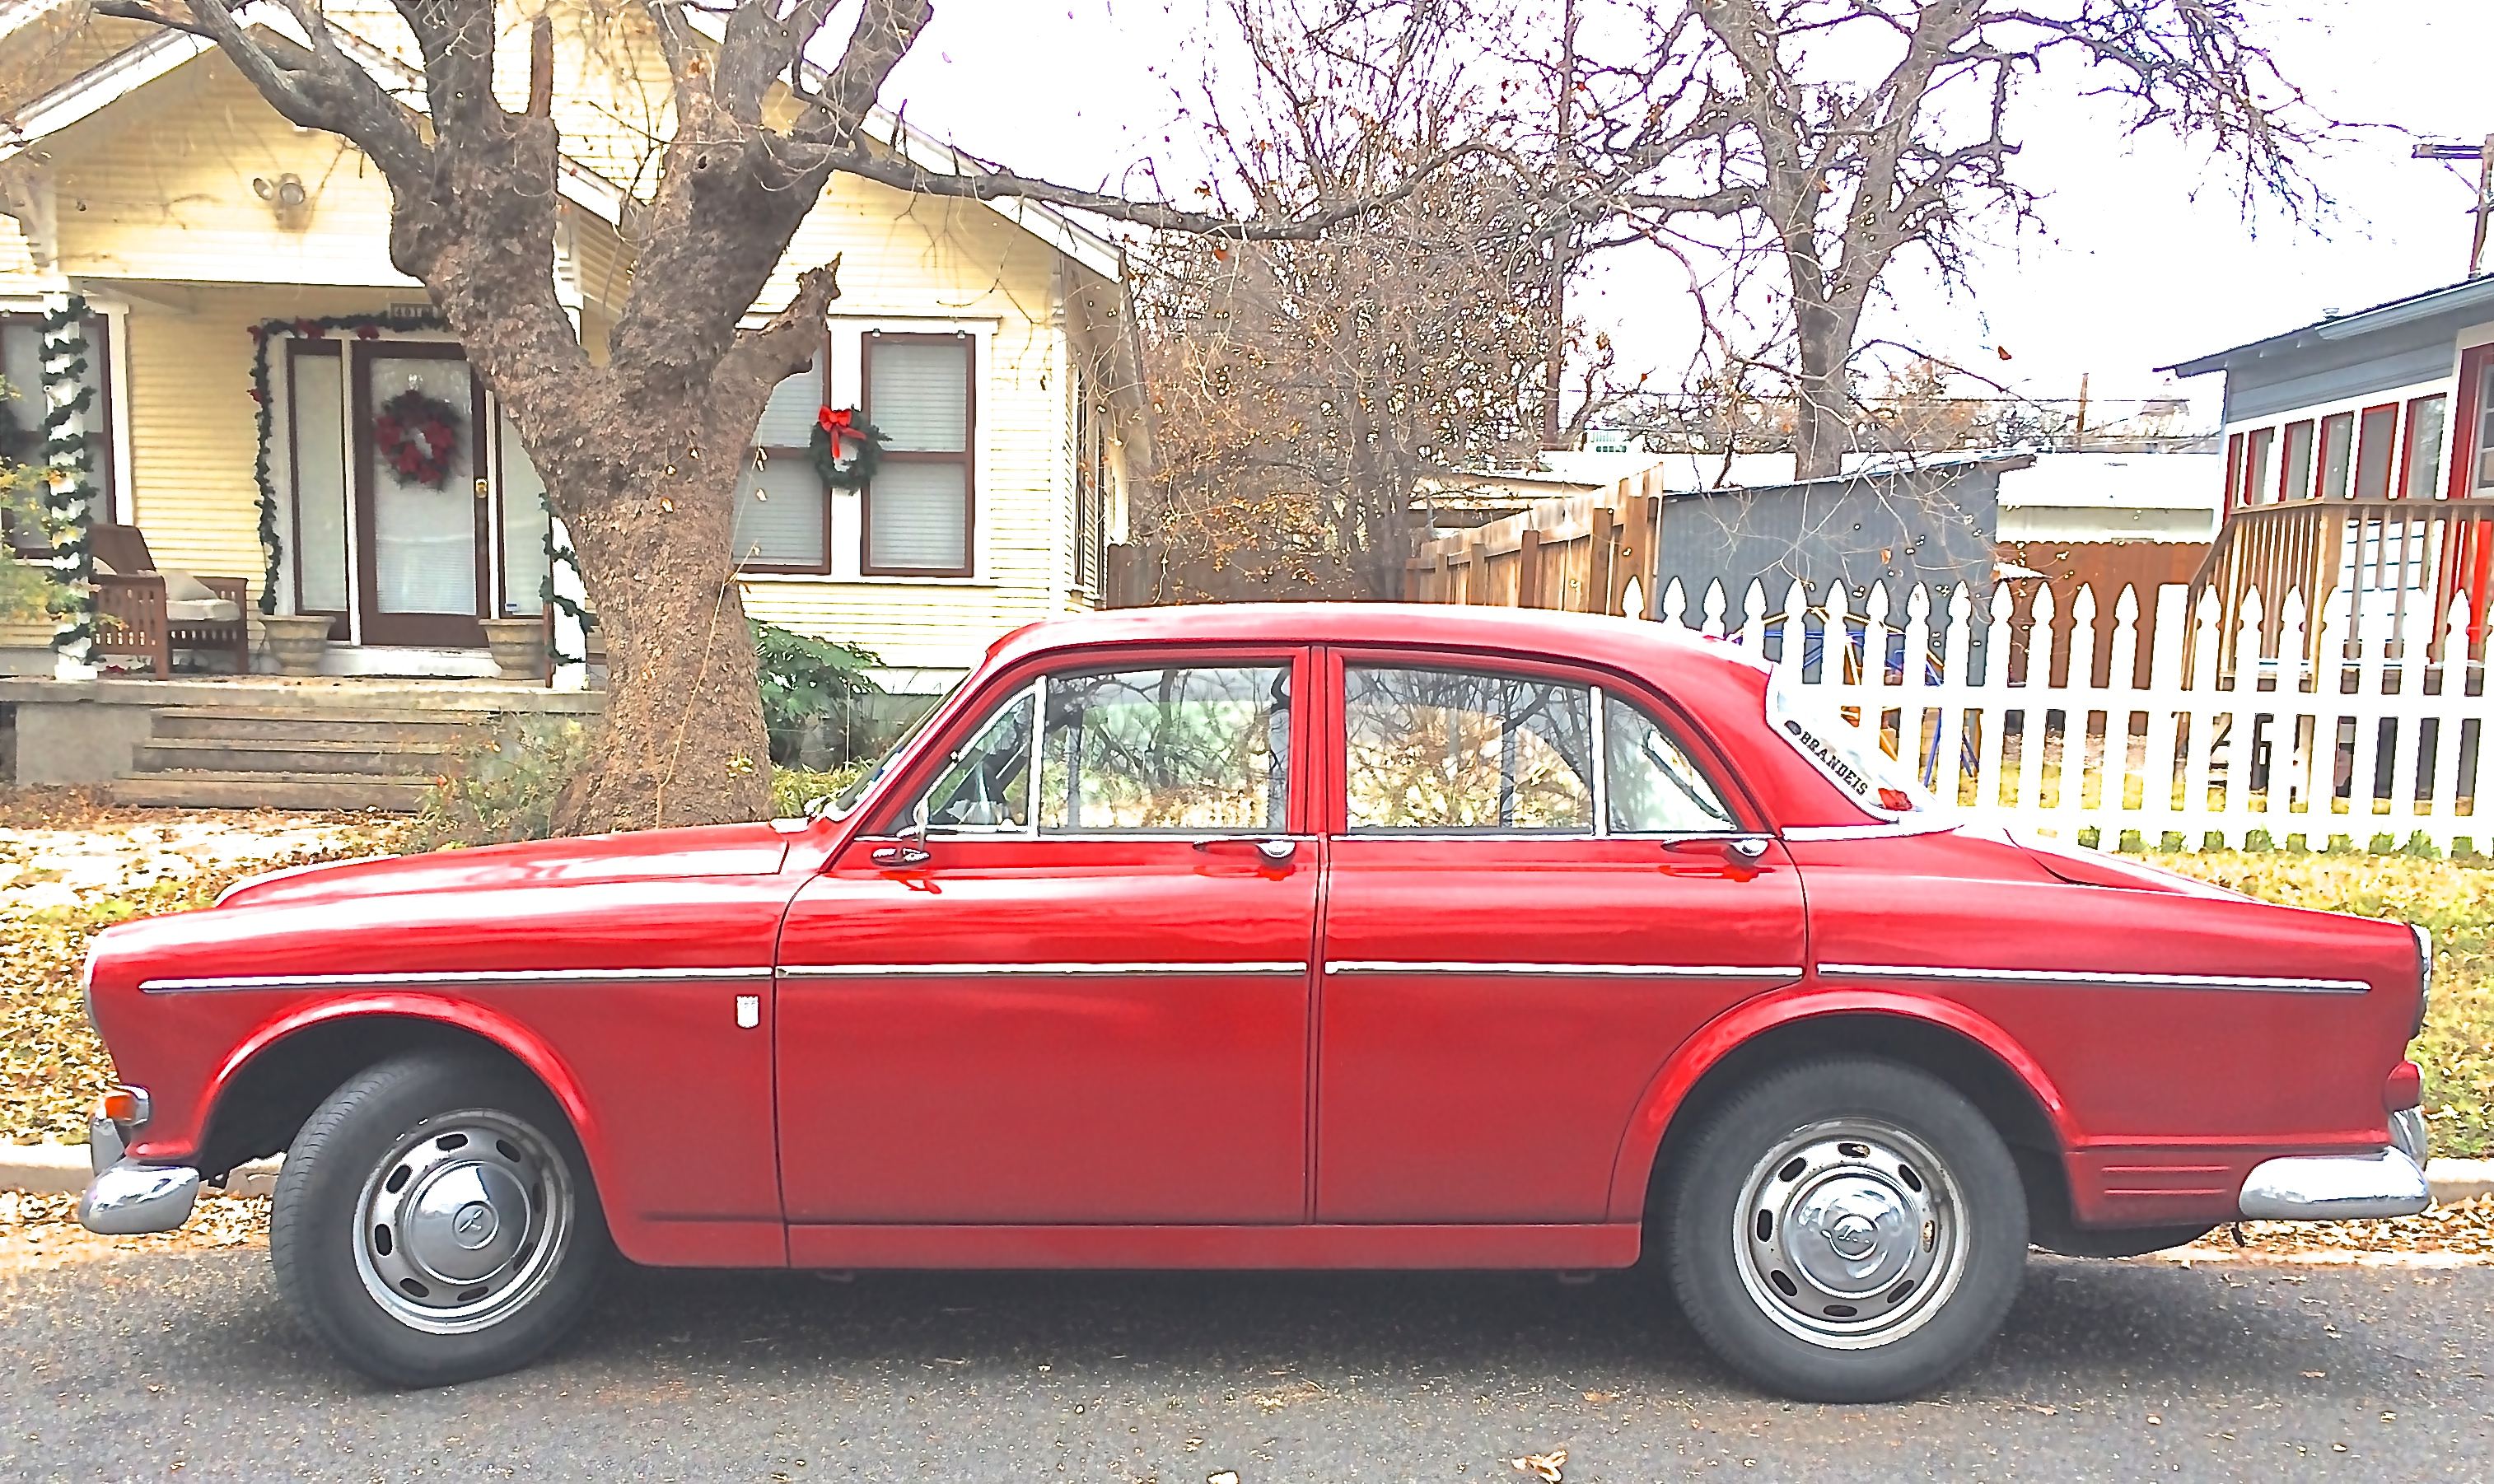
{"x": 70, "y": 496}
{"x": 569, "y": 647}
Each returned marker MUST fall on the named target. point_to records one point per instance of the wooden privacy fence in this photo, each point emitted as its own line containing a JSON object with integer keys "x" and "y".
{"x": 1583, "y": 554}
{"x": 2376, "y": 743}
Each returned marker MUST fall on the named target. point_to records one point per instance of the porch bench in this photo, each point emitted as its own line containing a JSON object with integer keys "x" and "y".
{"x": 144, "y": 610}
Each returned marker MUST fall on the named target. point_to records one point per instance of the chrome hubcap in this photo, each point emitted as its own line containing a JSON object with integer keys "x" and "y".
{"x": 1850, "y": 1233}
{"x": 463, "y": 1222}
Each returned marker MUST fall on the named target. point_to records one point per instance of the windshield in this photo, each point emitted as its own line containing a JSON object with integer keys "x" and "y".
{"x": 1851, "y": 756}
{"x": 843, "y": 803}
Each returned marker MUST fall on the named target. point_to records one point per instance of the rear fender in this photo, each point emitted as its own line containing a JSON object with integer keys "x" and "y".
{"x": 1744, "y": 1023}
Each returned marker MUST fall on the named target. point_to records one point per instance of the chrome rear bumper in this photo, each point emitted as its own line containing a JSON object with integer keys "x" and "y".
{"x": 2344, "y": 1187}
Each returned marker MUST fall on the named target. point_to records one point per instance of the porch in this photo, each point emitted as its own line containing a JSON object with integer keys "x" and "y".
{"x": 264, "y": 741}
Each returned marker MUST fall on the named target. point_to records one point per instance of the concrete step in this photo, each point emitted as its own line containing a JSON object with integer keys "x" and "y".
{"x": 217, "y": 788}
{"x": 273, "y": 724}
{"x": 256, "y": 754}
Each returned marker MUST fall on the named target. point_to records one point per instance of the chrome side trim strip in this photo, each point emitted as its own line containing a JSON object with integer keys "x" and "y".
{"x": 440, "y": 977}
{"x": 1567, "y": 970}
{"x": 1085, "y": 970}
{"x": 2100, "y": 978}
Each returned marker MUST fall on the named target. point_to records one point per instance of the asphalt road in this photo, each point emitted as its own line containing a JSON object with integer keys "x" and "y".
{"x": 186, "y": 1367}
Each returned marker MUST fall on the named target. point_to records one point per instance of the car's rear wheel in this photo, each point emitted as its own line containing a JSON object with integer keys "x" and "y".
{"x": 435, "y": 1221}
{"x": 1846, "y": 1230}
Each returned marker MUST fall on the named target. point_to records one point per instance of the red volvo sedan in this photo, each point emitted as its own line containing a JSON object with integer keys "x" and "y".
{"x": 1273, "y": 937}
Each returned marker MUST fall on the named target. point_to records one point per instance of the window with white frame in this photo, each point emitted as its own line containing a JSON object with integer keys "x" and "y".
{"x": 783, "y": 520}
{"x": 2422, "y": 456}
{"x": 920, "y": 509}
{"x": 22, "y": 411}
{"x": 1091, "y": 484}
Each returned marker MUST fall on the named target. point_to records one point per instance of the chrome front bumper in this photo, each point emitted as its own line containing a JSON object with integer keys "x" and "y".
{"x": 128, "y": 1199}
{"x": 2344, "y": 1187}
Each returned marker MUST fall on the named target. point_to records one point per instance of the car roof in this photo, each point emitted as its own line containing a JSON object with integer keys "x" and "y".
{"x": 1597, "y": 638}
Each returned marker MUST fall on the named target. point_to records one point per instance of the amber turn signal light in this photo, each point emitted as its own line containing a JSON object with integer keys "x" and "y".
{"x": 123, "y": 1105}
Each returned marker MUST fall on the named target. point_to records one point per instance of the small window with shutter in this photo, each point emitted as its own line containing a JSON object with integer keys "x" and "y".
{"x": 920, "y": 505}
{"x": 783, "y": 522}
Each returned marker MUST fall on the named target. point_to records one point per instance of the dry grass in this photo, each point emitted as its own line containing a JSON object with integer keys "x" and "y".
{"x": 70, "y": 866}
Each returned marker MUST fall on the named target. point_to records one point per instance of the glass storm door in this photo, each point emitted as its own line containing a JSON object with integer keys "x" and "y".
{"x": 420, "y": 498}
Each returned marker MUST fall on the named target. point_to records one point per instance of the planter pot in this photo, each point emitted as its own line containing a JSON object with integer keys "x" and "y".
{"x": 295, "y": 642}
{"x": 518, "y": 647}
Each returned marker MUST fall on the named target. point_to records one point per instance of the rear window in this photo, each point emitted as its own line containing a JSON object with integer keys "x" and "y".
{"x": 1851, "y": 756}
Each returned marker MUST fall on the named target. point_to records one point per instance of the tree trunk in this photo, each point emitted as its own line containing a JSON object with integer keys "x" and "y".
{"x": 1822, "y": 392}
{"x": 683, "y": 740}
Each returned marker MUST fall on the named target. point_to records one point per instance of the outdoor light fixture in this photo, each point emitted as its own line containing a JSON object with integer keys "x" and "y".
{"x": 288, "y": 201}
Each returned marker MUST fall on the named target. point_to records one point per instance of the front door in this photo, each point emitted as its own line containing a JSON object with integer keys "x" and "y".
{"x": 422, "y": 515}
{"x": 1535, "y": 895}
{"x": 1084, "y": 996}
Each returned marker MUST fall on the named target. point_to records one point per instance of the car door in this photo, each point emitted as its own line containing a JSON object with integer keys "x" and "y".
{"x": 1083, "y": 995}
{"x": 1537, "y": 888}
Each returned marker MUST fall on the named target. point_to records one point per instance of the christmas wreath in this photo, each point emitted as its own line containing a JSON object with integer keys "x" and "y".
{"x": 415, "y": 436}
{"x": 846, "y": 448}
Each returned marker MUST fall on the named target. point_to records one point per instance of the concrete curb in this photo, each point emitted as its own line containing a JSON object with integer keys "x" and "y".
{"x": 61, "y": 1170}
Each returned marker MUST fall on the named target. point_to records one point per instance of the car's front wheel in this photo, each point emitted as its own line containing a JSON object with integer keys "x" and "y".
{"x": 1846, "y": 1230}
{"x": 435, "y": 1221}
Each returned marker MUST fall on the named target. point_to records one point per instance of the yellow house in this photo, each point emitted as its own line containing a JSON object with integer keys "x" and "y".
{"x": 247, "y": 329}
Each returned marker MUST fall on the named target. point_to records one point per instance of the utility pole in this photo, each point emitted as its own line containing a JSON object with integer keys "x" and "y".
{"x": 1555, "y": 372}
{"x": 2483, "y": 155}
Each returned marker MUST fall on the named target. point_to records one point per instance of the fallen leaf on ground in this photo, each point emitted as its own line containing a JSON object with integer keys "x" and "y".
{"x": 1542, "y": 1466}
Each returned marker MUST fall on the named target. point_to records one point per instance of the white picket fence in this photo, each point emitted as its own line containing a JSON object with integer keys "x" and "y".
{"x": 2377, "y": 745}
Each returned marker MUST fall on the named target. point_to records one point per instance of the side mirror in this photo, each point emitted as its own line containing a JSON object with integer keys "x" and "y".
{"x": 911, "y": 848}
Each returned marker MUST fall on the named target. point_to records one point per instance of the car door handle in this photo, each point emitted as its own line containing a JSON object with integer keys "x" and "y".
{"x": 898, "y": 855}
{"x": 1276, "y": 848}
{"x": 1739, "y": 847}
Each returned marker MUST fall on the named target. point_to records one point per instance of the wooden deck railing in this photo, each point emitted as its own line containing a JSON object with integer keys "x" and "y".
{"x": 2389, "y": 554}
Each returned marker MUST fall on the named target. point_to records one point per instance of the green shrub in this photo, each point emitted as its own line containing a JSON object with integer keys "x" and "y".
{"x": 490, "y": 794}
{"x": 809, "y": 686}
{"x": 794, "y": 788}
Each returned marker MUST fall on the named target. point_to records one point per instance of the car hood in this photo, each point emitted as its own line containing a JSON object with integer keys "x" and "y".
{"x": 709, "y": 850}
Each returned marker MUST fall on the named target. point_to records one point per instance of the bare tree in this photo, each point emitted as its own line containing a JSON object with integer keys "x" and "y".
{"x": 641, "y": 453}
{"x": 1838, "y": 135}
{"x": 1311, "y": 390}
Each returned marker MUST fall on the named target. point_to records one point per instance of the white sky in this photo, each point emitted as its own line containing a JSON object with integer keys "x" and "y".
{"x": 2143, "y": 259}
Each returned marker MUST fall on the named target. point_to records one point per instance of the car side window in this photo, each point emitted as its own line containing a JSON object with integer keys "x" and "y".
{"x": 1650, "y": 787}
{"x": 986, "y": 784}
{"x": 1181, "y": 748}
{"x": 1463, "y": 750}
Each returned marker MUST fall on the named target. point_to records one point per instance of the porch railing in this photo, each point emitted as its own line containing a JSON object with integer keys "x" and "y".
{"x": 2366, "y": 563}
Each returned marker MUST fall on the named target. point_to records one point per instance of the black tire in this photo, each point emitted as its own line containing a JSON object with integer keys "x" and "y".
{"x": 371, "y": 1143}
{"x": 1741, "y": 1215}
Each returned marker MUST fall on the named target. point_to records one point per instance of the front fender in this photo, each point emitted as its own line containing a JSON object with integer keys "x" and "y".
{"x": 525, "y": 1044}
{"x": 1744, "y": 1023}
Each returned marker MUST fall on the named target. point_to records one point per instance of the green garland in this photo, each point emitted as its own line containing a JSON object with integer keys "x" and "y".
{"x": 272, "y": 550}
{"x": 67, "y": 450}
{"x": 563, "y": 556}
